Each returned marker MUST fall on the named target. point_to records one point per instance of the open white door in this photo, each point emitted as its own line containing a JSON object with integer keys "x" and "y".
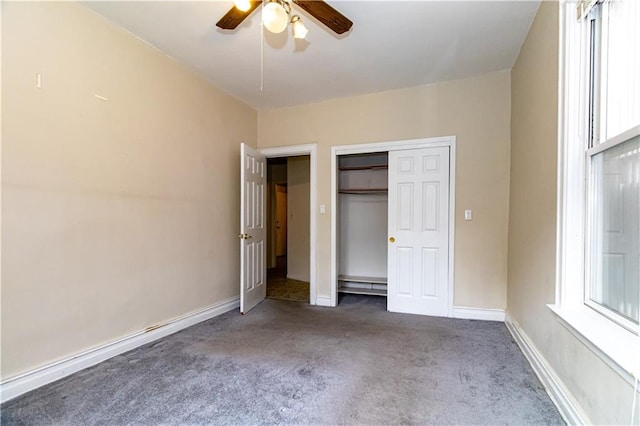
{"x": 253, "y": 234}
{"x": 418, "y": 246}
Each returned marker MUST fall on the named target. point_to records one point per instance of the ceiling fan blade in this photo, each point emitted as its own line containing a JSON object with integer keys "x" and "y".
{"x": 326, "y": 14}
{"x": 235, "y": 16}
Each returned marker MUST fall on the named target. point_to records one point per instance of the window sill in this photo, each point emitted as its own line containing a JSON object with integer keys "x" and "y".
{"x": 616, "y": 346}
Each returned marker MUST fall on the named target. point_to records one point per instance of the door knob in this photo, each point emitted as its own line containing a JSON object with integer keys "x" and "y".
{"x": 244, "y": 236}
{"x": 392, "y": 240}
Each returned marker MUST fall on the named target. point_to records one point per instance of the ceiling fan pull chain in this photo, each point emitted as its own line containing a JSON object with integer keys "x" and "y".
{"x": 262, "y": 48}
{"x": 261, "y": 53}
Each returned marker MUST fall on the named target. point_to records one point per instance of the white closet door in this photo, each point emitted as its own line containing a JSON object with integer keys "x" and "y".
{"x": 253, "y": 234}
{"x": 418, "y": 245}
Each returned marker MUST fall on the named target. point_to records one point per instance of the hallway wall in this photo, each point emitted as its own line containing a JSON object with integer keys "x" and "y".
{"x": 298, "y": 238}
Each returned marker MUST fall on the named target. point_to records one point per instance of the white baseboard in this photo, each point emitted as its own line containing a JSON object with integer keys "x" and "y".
{"x": 324, "y": 301}
{"x": 484, "y": 314}
{"x": 570, "y": 412}
{"x": 33, "y": 379}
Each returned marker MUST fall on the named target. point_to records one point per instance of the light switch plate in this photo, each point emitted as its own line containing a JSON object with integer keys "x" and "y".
{"x": 468, "y": 215}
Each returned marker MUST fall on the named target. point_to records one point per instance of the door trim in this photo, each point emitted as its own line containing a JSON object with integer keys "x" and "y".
{"x": 449, "y": 141}
{"x": 312, "y": 151}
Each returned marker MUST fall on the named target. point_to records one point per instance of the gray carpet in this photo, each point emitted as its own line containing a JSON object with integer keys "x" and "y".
{"x": 292, "y": 363}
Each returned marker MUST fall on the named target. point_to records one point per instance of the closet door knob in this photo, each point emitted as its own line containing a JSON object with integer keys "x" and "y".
{"x": 392, "y": 240}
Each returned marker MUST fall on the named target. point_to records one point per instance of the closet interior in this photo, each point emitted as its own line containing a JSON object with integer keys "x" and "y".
{"x": 362, "y": 223}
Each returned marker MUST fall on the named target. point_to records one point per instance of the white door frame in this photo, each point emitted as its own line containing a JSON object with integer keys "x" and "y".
{"x": 449, "y": 141}
{"x": 312, "y": 151}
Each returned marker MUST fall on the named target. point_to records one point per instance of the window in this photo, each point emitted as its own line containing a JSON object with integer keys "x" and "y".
{"x": 599, "y": 152}
{"x": 613, "y": 162}
{"x": 614, "y": 258}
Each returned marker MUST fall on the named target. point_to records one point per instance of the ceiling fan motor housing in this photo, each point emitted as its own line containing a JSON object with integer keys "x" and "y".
{"x": 319, "y": 9}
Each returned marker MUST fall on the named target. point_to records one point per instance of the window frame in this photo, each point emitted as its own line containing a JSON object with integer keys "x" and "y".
{"x": 579, "y": 136}
{"x": 597, "y": 142}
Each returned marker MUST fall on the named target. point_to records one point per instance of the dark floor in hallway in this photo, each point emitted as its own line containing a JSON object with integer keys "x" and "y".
{"x": 282, "y": 288}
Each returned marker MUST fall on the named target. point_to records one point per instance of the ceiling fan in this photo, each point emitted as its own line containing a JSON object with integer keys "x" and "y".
{"x": 276, "y": 14}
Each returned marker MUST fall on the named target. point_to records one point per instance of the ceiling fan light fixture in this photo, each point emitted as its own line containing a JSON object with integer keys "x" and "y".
{"x": 242, "y": 5}
{"x": 299, "y": 29}
{"x": 274, "y": 16}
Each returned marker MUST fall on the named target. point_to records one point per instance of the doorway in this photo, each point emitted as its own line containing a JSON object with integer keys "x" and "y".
{"x": 288, "y": 215}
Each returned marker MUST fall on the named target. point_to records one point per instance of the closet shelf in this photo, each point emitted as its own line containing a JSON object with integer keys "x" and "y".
{"x": 363, "y": 191}
{"x": 367, "y": 291}
{"x": 366, "y": 167}
{"x": 359, "y": 279}
{"x": 359, "y": 289}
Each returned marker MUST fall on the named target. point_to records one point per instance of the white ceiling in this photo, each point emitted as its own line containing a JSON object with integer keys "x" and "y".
{"x": 392, "y": 44}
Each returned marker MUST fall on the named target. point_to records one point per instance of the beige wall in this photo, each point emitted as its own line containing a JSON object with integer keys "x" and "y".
{"x": 476, "y": 111}
{"x": 116, "y": 215}
{"x": 298, "y": 238}
{"x": 602, "y": 394}
{"x": 276, "y": 174}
